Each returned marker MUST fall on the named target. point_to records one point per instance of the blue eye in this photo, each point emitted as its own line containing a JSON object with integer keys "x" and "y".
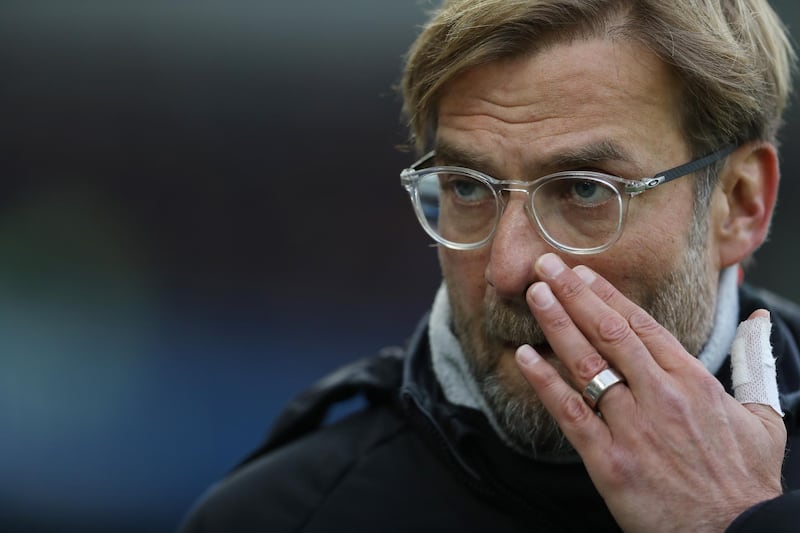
{"x": 585, "y": 189}
{"x": 468, "y": 190}
{"x": 590, "y": 193}
{"x": 465, "y": 188}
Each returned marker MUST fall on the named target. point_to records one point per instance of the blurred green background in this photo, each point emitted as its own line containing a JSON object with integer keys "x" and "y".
{"x": 200, "y": 215}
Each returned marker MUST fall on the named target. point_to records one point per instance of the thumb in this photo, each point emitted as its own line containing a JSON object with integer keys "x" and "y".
{"x": 752, "y": 365}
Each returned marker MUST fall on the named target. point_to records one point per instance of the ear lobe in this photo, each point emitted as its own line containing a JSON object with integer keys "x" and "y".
{"x": 749, "y": 183}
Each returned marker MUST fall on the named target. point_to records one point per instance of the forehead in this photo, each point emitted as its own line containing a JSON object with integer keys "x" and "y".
{"x": 561, "y": 98}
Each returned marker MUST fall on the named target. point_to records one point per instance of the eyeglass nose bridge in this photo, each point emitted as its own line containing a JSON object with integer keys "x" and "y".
{"x": 503, "y": 199}
{"x": 515, "y": 189}
{"x": 502, "y": 192}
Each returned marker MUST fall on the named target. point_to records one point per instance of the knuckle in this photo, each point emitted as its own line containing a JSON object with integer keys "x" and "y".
{"x": 575, "y": 411}
{"x": 589, "y": 366}
{"x": 571, "y": 289}
{"x": 674, "y": 405}
{"x": 620, "y": 468}
{"x": 613, "y": 329}
{"x": 559, "y": 322}
{"x": 711, "y": 385}
{"x": 643, "y": 323}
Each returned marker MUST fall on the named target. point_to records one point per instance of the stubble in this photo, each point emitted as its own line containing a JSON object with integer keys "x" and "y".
{"x": 683, "y": 302}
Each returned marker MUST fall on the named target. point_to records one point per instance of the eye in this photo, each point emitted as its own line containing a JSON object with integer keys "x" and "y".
{"x": 465, "y": 188}
{"x": 589, "y": 193}
{"x": 468, "y": 190}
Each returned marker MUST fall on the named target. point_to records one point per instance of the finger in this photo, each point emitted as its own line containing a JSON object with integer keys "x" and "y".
{"x": 580, "y": 424}
{"x": 660, "y": 343}
{"x": 603, "y": 326}
{"x": 752, "y": 365}
{"x": 770, "y": 419}
{"x": 579, "y": 356}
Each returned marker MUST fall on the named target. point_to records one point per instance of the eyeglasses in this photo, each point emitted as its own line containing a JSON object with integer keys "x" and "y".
{"x": 578, "y": 212}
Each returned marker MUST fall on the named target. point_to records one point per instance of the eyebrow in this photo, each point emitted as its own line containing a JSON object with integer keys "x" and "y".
{"x": 575, "y": 158}
{"x": 599, "y": 152}
{"x": 449, "y": 155}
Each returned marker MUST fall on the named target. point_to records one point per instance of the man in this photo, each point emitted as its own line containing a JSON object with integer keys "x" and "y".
{"x": 600, "y": 169}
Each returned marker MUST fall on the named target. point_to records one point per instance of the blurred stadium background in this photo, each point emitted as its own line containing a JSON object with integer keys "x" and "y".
{"x": 201, "y": 214}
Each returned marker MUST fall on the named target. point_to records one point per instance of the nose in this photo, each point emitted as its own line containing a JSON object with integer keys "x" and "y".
{"x": 514, "y": 248}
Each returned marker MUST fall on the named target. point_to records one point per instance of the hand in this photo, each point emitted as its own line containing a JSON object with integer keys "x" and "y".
{"x": 672, "y": 450}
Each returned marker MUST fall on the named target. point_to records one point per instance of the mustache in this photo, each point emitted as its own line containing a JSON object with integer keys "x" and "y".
{"x": 512, "y": 322}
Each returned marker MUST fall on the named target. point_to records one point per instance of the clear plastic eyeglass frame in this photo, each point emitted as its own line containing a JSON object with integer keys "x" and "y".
{"x": 624, "y": 188}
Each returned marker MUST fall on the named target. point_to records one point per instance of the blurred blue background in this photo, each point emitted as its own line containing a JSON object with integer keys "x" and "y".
{"x": 201, "y": 214}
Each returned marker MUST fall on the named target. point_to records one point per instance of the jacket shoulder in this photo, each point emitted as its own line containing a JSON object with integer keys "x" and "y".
{"x": 283, "y": 489}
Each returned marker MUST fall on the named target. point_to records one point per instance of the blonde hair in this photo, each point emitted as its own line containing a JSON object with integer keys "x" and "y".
{"x": 733, "y": 57}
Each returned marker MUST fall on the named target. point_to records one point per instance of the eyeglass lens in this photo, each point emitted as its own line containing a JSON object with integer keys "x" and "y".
{"x": 578, "y": 212}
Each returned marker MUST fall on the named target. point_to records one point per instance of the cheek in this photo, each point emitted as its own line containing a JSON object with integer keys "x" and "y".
{"x": 642, "y": 259}
{"x": 657, "y": 230}
{"x": 464, "y": 273}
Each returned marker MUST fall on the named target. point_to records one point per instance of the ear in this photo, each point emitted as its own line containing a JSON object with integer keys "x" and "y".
{"x": 743, "y": 201}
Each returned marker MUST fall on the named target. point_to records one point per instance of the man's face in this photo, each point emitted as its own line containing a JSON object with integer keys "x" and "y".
{"x": 521, "y": 119}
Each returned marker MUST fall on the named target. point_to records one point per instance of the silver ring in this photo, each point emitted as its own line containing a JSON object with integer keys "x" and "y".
{"x": 599, "y": 384}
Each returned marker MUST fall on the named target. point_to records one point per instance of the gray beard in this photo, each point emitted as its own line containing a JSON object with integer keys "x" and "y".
{"x": 683, "y": 303}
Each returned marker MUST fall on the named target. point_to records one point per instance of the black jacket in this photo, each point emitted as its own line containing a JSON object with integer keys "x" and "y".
{"x": 411, "y": 461}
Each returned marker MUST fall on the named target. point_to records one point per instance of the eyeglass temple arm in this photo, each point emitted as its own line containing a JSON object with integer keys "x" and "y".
{"x": 424, "y": 159}
{"x": 682, "y": 170}
{"x": 647, "y": 183}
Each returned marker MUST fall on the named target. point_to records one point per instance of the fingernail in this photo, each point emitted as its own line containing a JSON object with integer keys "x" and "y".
{"x": 542, "y": 295}
{"x": 585, "y": 274}
{"x": 551, "y": 265}
{"x": 527, "y": 356}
